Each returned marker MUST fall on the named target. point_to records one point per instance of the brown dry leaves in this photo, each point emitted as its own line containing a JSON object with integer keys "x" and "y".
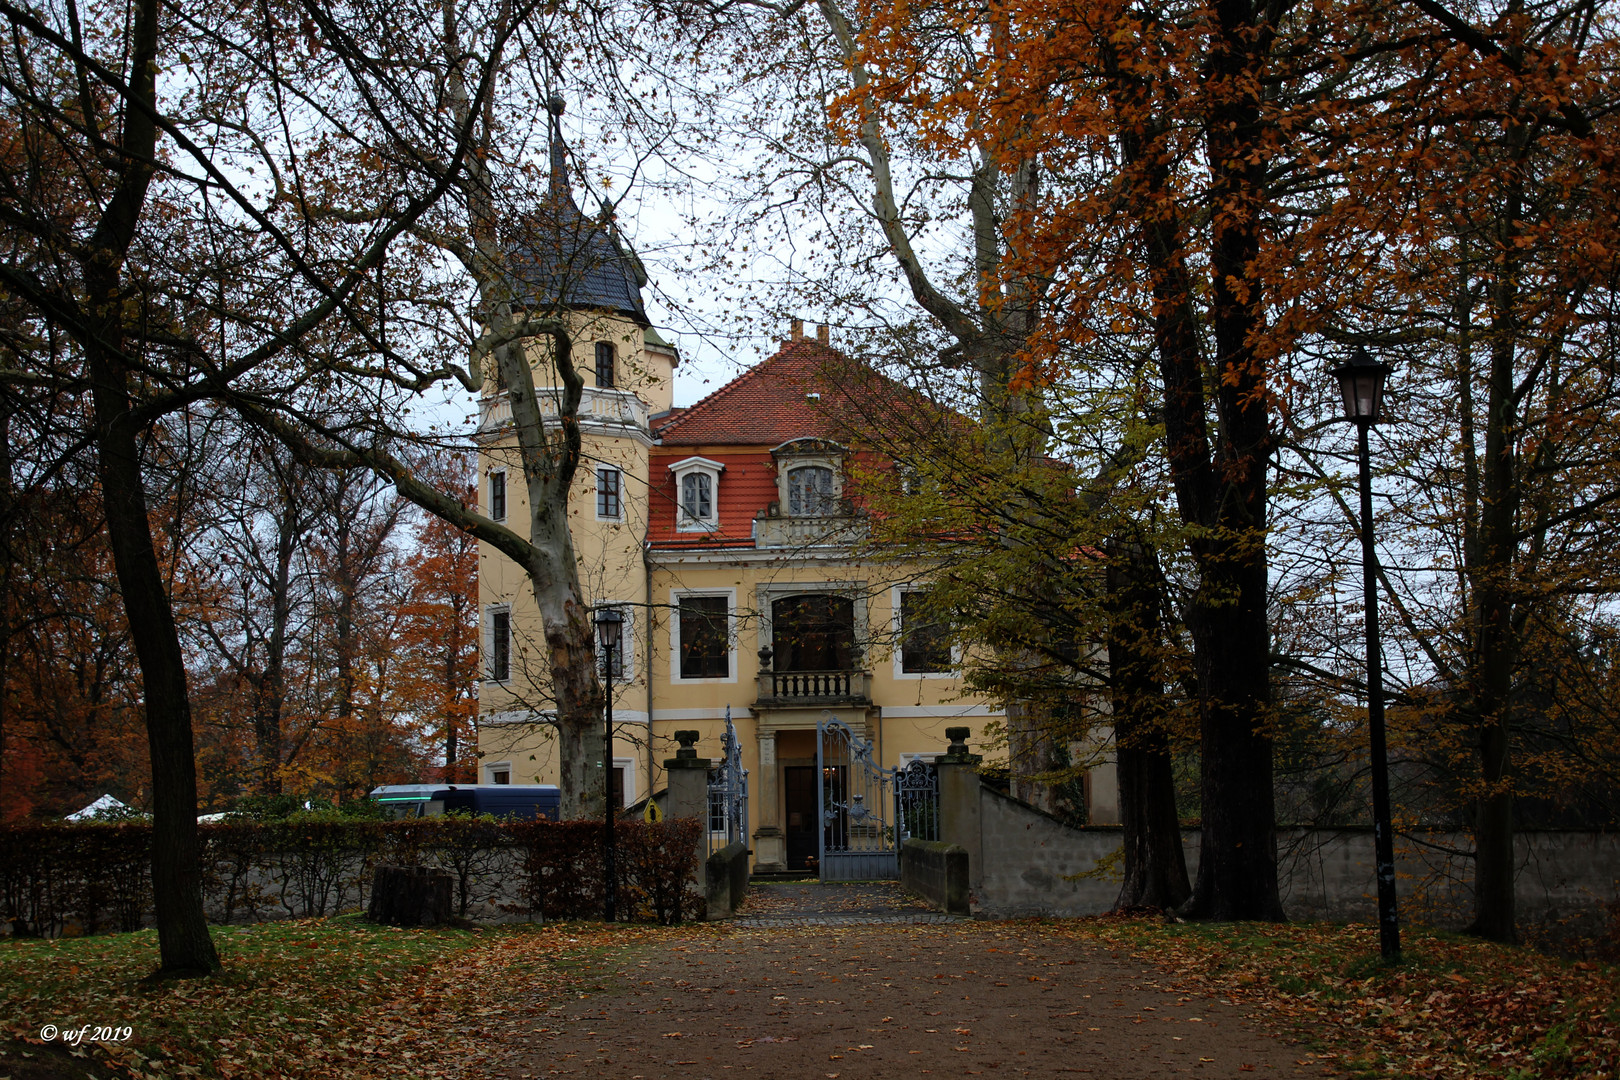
{"x": 1455, "y": 1007}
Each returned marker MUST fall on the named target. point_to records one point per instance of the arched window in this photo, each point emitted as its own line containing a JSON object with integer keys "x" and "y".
{"x": 810, "y": 492}
{"x": 813, "y": 632}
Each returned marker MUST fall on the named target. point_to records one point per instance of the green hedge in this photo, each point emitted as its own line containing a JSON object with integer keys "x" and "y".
{"x": 90, "y": 878}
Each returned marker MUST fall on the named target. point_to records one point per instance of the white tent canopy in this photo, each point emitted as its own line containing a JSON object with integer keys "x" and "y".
{"x": 106, "y": 805}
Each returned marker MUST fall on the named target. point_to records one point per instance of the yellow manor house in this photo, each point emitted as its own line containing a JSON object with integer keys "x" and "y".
{"x": 730, "y": 539}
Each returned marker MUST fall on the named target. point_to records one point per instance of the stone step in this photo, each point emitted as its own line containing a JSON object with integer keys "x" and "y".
{"x": 784, "y": 875}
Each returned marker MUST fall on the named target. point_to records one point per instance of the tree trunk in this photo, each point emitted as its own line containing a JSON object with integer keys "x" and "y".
{"x": 1032, "y": 744}
{"x": 8, "y": 564}
{"x": 184, "y": 946}
{"x": 582, "y": 753}
{"x": 271, "y": 693}
{"x": 1155, "y": 865}
{"x": 1220, "y": 487}
{"x": 1491, "y": 680}
{"x": 410, "y": 896}
{"x": 183, "y": 942}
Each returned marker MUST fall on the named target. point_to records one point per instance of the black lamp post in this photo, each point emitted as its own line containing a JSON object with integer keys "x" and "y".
{"x": 609, "y": 625}
{"x": 1361, "y": 381}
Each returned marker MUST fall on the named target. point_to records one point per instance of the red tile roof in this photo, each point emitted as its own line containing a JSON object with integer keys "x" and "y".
{"x": 805, "y": 390}
{"x": 747, "y": 486}
{"x": 764, "y": 406}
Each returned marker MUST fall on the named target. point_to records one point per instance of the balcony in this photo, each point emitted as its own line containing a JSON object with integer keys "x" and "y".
{"x": 773, "y": 529}
{"x": 791, "y": 689}
{"x": 597, "y": 407}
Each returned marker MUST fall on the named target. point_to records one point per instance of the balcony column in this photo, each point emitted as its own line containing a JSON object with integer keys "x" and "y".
{"x": 770, "y": 846}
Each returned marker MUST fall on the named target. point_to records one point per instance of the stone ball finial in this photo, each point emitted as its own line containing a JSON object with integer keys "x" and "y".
{"x": 555, "y": 105}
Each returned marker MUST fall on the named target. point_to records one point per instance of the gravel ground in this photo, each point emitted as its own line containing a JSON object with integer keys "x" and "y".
{"x": 801, "y": 997}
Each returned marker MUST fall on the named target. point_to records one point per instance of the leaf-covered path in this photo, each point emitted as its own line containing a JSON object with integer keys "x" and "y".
{"x": 832, "y": 983}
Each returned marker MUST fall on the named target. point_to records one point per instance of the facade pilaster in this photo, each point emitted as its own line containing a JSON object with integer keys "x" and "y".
{"x": 770, "y": 846}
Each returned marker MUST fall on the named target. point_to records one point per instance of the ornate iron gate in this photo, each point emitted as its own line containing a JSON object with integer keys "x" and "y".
{"x": 728, "y": 793}
{"x": 867, "y": 811}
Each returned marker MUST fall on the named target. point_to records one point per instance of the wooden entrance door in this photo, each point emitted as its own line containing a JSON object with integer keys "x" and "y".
{"x": 799, "y": 788}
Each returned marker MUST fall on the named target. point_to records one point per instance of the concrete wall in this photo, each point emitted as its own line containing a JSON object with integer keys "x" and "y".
{"x": 937, "y": 872}
{"x": 1027, "y": 863}
{"x": 726, "y": 875}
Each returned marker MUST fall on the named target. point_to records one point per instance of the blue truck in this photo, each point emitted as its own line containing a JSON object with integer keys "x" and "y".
{"x": 522, "y": 802}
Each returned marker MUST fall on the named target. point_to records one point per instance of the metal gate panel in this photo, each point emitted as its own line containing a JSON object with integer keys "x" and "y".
{"x": 858, "y": 840}
{"x": 728, "y": 793}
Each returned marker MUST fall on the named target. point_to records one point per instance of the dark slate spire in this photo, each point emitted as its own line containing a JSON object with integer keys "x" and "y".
{"x": 568, "y": 257}
{"x": 560, "y": 187}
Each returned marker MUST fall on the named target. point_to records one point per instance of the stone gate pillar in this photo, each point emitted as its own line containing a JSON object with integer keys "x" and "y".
{"x": 959, "y": 801}
{"x": 689, "y": 790}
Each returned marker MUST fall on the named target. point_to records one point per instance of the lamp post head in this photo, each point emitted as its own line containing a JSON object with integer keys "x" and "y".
{"x": 1361, "y": 382}
{"x": 607, "y": 620}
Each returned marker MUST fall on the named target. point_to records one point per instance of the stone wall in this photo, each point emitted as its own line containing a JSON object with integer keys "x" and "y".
{"x": 937, "y": 872}
{"x": 726, "y": 874}
{"x": 1024, "y": 862}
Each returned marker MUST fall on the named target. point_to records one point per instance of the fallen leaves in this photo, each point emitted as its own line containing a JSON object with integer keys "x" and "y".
{"x": 1455, "y": 1007}
{"x": 313, "y": 999}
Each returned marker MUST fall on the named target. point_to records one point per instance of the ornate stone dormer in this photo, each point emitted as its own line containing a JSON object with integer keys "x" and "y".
{"x": 810, "y": 509}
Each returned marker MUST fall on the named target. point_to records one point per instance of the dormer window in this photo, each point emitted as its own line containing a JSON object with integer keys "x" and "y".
{"x": 604, "y": 364}
{"x": 697, "y": 494}
{"x": 810, "y": 491}
{"x": 810, "y": 477}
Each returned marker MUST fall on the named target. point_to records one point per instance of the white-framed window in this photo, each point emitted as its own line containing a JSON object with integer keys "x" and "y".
{"x": 624, "y": 646}
{"x": 926, "y": 758}
{"x": 697, "y": 494}
{"x": 922, "y": 644}
{"x": 498, "y": 773}
{"x": 609, "y": 494}
{"x": 702, "y": 635}
{"x": 497, "y": 494}
{"x": 498, "y": 643}
{"x": 914, "y": 481}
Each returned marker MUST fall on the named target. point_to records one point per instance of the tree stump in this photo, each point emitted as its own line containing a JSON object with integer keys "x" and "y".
{"x": 409, "y": 896}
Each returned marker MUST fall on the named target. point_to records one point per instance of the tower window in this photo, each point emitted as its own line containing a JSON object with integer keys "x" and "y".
{"x": 497, "y": 494}
{"x": 500, "y": 645}
{"x": 604, "y": 363}
{"x": 608, "y": 505}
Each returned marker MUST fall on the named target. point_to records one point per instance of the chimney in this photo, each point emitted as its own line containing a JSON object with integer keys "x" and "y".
{"x": 798, "y": 330}
{"x": 824, "y": 335}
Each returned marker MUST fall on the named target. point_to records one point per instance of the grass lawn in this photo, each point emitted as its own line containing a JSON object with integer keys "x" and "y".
{"x": 340, "y": 998}
{"x": 307, "y": 999}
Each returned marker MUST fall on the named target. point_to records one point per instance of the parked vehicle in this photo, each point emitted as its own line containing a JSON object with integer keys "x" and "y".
{"x": 523, "y": 802}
